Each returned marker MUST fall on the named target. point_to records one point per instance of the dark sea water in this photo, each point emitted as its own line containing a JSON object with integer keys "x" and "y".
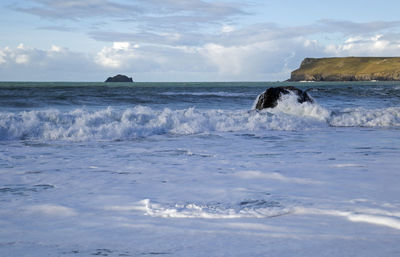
{"x": 191, "y": 169}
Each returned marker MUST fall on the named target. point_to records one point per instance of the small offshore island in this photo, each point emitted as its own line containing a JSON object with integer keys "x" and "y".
{"x": 348, "y": 69}
{"x": 119, "y": 78}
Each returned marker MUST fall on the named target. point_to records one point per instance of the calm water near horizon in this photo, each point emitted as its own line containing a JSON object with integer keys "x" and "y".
{"x": 191, "y": 169}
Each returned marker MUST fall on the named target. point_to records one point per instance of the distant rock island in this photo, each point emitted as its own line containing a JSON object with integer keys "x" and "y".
{"x": 348, "y": 69}
{"x": 119, "y": 78}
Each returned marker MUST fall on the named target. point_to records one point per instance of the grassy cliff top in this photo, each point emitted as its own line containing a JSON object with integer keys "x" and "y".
{"x": 347, "y": 67}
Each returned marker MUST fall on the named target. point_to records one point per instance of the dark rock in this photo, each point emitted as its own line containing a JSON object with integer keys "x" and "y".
{"x": 269, "y": 99}
{"x": 119, "y": 78}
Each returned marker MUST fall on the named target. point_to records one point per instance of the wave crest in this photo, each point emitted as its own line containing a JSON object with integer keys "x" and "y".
{"x": 141, "y": 121}
{"x": 361, "y": 117}
{"x": 289, "y": 104}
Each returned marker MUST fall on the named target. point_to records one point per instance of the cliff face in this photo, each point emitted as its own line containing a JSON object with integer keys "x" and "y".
{"x": 348, "y": 69}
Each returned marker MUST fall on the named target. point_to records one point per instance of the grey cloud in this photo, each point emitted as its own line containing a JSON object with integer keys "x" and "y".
{"x": 200, "y": 7}
{"x": 238, "y": 37}
{"x": 166, "y": 14}
{"x": 77, "y": 9}
{"x": 268, "y": 31}
{"x": 358, "y": 28}
{"x": 264, "y": 32}
{"x": 393, "y": 37}
{"x": 245, "y": 35}
{"x": 56, "y": 28}
{"x": 166, "y": 39}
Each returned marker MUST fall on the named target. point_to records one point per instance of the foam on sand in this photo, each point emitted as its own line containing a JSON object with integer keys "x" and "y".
{"x": 381, "y": 218}
{"x": 51, "y": 210}
{"x": 252, "y": 208}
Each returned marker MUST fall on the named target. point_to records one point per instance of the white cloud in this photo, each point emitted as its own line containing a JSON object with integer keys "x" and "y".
{"x": 267, "y": 60}
{"x": 121, "y": 45}
{"x": 211, "y": 39}
{"x": 260, "y": 52}
{"x": 239, "y": 62}
{"x": 56, "y": 63}
{"x": 31, "y": 56}
{"x": 57, "y": 49}
{"x": 227, "y": 29}
{"x": 3, "y": 56}
{"x": 118, "y": 55}
{"x": 227, "y": 59}
{"x": 22, "y": 59}
{"x": 376, "y": 45}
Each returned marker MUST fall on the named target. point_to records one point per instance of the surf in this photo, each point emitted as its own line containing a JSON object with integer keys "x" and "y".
{"x": 142, "y": 121}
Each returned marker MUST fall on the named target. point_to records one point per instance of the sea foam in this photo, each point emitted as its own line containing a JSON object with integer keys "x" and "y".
{"x": 290, "y": 105}
{"x": 361, "y": 117}
{"x": 245, "y": 209}
{"x": 142, "y": 121}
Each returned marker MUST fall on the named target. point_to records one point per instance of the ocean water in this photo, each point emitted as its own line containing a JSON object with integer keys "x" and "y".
{"x": 191, "y": 169}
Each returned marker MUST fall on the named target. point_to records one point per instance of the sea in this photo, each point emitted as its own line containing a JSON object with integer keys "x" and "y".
{"x": 192, "y": 169}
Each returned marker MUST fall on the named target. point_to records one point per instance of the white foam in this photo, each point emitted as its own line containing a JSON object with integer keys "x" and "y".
{"x": 253, "y": 107}
{"x": 140, "y": 121}
{"x": 376, "y": 220}
{"x": 204, "y": 211}
{"x": 361, "y": 117}
{"x": 51, "y": 210}
{"x": 254, "y": 174}
{"x": 350, "y": 117}
{"x": 348, "y": 165}
{"x": 289, "y": 104}
{"x": 375, "y": 211}
{"x": 381, "y": 220}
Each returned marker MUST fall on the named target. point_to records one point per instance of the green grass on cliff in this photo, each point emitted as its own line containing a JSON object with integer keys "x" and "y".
{"x": 354, "y": 66}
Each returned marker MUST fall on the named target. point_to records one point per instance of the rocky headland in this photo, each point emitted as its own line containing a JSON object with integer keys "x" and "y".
{"x": 119, "y": 78}
{"x": 348, "y": 69}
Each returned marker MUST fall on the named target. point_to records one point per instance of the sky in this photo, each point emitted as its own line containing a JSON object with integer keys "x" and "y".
{"x": 187, "y": 40}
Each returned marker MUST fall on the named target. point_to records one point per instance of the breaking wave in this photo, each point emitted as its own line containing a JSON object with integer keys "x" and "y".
{"x": 361, "y": 117}
{"x": 289, "y": 105}
{"x": 142, "y": 121}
